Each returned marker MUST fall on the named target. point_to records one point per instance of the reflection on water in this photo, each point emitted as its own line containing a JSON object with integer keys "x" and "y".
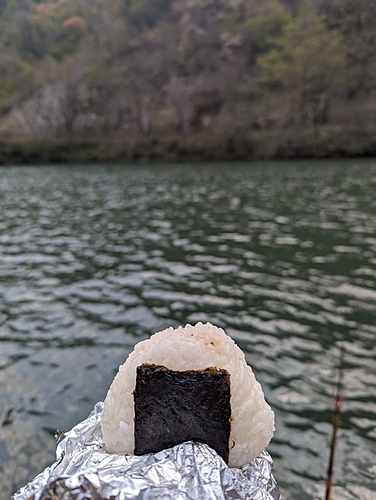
{"x": 94, "y": 259}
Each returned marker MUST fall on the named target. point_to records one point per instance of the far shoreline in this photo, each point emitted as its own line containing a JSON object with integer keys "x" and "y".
{"x": 326, "y": 142}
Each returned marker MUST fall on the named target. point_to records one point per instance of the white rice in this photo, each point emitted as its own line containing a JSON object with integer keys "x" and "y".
{"x": 192, "y": 348}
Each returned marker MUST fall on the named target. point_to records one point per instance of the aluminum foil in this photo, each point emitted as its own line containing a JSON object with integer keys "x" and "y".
{"x": 84, "y": 471}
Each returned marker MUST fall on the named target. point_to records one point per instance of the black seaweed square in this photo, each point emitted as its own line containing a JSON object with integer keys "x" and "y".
{"x": 172, "y": 407}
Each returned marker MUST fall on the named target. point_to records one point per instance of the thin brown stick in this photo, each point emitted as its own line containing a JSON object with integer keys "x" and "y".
{"x": 338, "y": 400}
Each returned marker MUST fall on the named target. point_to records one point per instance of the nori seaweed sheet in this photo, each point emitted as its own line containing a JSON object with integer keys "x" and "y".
{"x": 172, "y": 407}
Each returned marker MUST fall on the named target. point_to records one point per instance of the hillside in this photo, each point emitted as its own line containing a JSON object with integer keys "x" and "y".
{"x": 169, "y": 79}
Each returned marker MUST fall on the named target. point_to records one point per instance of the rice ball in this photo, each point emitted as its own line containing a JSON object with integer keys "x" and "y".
{"x": 192, "y": 348}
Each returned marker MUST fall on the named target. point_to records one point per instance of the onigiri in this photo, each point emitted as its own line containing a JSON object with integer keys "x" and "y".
{"x": 192, "y": 348}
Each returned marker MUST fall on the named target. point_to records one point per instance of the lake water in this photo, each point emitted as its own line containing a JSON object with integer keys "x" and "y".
{"x": 282, "y": 255}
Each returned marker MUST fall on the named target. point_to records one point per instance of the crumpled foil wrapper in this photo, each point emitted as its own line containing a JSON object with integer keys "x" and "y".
{"x": 84, "y": 471}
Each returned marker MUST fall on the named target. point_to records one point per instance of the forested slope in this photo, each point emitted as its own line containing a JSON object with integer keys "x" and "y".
{"x": 195, "y": 78}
